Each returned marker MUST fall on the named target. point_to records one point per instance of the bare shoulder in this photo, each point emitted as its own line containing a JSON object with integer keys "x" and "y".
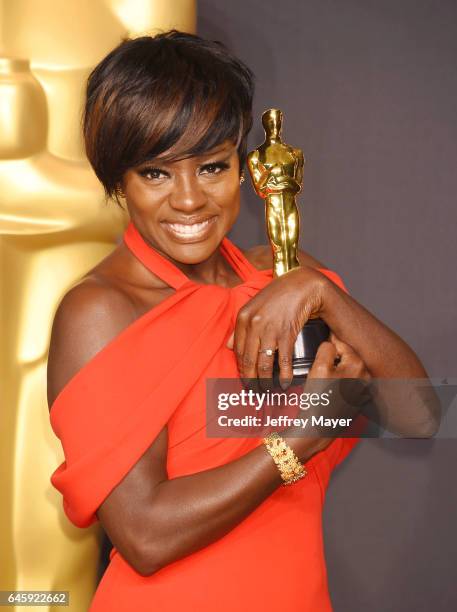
{"x": 88, "y": 317}
{"x": 260, "y": 256}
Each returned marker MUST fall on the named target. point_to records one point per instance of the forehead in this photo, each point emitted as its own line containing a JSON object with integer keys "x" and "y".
{"x": 226, "y": 148}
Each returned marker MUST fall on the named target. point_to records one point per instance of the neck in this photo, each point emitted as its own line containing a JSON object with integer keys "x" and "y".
{"x": 212, "y": 271}
{"x": 215, "y": 270}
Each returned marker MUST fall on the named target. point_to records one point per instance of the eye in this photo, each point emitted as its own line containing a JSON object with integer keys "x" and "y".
{"x": 153, "y": 174}
{"x": 214, "y": 168}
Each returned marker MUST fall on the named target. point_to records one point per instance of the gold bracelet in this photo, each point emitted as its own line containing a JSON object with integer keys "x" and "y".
{"x": 286, "y": 460}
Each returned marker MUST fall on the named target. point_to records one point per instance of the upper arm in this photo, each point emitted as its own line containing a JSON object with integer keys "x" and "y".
{"x": 125, "y": 512}
{"x": 88, "y": 317}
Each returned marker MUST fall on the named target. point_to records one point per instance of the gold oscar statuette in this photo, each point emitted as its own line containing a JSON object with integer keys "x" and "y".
{"x": 276, "y": 171}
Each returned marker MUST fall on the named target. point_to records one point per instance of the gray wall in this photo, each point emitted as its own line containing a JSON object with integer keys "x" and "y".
{"x": 369, "y": 92}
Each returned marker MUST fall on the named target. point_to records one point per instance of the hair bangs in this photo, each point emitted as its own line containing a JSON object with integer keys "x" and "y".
{"x": 196, "y": 129}
{"x": 170, "y": 96}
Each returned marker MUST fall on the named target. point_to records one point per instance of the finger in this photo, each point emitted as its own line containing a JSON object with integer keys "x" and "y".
{"x": 351, "y": 364}
{"x": 326, "y": 353}
{"x": 249, "y": 358}
{"x": 231, "y": 341}
{"x": 332, "y": 337}
{"x": 356, "y": 367}
{"x": 285, "y": 353}
{"x": 266, "y": 356}
{"x": 342, "y": 348}
{"x": 346, "y": 354}
{"x": 324, "y": 361}
{"x": 239, "y": 336}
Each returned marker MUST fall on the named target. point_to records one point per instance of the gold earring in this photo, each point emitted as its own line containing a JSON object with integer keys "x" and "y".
{"x": 241, "y": 179}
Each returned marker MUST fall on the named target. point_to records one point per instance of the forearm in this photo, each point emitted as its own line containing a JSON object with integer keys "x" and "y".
{"x": 190, "y": 512}
{"x": 385, "y": 354}
{"x": 402, "y": 406}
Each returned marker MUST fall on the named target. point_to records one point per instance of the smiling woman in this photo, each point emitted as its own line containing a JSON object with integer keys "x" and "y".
{"x": 196, "y": 523}
{"x": 186, "y": 206}
{"x": 166, "y": 123}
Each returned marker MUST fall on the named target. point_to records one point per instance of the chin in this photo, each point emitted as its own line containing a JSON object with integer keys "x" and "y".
{"x": 193, "y": 253}
{"x": 188, "y": 249}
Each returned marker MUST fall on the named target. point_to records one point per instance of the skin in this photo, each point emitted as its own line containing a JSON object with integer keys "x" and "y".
{"x": 153, "y": 521}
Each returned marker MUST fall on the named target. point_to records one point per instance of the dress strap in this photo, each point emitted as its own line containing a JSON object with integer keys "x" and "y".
{"x": 242, "y": 266}
{"x": 171, "y": 274}
{"x": 152, "y": 259}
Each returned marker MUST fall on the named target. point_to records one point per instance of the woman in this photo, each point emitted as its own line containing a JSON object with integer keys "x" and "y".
{"x": 196, "y": 522}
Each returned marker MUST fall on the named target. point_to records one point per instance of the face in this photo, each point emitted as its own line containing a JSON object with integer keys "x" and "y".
{"x": 185, "y": 208}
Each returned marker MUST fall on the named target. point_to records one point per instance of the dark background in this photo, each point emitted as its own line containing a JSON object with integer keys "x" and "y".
{"x": 369, "y": 92}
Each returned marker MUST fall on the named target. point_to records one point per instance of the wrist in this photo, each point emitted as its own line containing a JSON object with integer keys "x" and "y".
{"x": 330, "y": 295}
{"x": 305, "y": 447}
{"x": 316, "y": 291}
{"x": 288, "y": 463}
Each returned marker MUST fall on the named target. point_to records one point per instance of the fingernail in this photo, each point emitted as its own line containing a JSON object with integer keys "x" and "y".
{"x": 284, "y": 384}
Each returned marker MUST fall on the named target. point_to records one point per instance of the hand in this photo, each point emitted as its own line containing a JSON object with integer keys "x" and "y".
{"x": 272, "y": 320}
{"x": 337, "y": 361}
{"x": 334, "y": 360}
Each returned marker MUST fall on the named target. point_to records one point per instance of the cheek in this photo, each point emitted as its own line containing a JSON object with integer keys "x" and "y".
{"x": 227, "y": 196}
{"x": 144, "y": 200}
{"x": 235, "y": 204}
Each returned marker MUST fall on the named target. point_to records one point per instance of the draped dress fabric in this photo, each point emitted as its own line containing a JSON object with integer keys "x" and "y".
{"x": 153, "y": 374}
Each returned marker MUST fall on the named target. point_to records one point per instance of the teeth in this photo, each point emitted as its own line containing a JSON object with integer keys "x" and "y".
{"x": 189, "y": 230}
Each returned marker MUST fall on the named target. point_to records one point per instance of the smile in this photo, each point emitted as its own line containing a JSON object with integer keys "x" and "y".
{"x": 190, "y": 232}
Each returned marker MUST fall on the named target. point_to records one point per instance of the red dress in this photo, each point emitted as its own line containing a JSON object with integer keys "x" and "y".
{"x": 153, "y": 373}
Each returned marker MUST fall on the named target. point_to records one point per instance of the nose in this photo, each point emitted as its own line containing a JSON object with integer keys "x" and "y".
{"x": 187, "y": 194}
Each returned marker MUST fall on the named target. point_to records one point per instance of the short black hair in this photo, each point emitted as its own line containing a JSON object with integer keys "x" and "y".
{"x": 174, "y": 93}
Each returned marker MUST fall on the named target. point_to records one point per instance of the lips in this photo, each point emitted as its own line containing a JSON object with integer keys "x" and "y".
{"x": 190, "y": 231}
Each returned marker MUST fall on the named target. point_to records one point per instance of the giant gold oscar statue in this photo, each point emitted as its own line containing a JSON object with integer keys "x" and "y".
{"x": 276, "y": 171}
{"x": 54, "y": 226}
